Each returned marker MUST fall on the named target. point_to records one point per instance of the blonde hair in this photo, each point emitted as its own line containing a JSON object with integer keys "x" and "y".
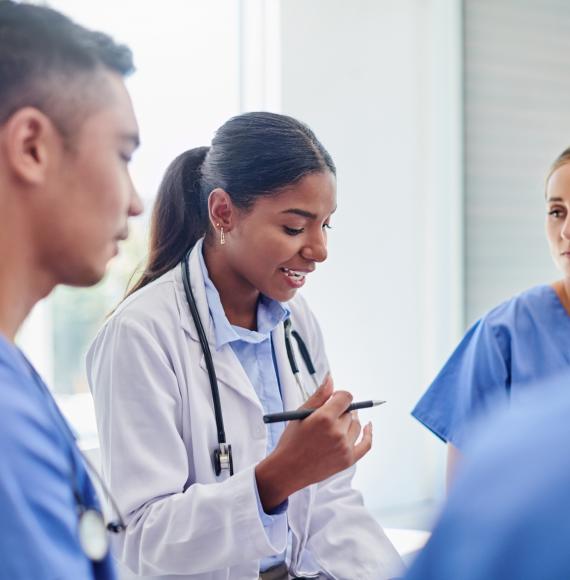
{"x": 561, "y": 160}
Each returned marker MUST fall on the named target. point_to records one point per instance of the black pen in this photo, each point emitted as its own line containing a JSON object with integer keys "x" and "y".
{"x": 304, "y": 413}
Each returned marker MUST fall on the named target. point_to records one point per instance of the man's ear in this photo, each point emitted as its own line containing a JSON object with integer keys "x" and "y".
{"x": 221, "y": 209}
{"x": 31, "y": 142}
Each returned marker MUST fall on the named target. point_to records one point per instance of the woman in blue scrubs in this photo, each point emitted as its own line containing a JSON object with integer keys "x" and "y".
{"x": 522, "y": 340}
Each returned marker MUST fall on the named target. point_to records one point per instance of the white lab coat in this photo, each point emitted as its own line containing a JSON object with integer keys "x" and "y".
{"x": 156, "y": 425}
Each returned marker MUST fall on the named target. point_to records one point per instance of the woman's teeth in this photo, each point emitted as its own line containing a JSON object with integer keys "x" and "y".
{"x": 294, "y": 273}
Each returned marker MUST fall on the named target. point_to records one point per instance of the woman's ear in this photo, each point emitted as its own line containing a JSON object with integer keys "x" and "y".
{"x": 221, "y": 210}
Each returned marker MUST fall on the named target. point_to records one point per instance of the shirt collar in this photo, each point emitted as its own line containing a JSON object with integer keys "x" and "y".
{"x": 270, "y": 313}
{"x": 12, "y": 355}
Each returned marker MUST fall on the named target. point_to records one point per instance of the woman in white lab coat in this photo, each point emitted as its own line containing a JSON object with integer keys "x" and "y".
{"x": 252, "y": 211}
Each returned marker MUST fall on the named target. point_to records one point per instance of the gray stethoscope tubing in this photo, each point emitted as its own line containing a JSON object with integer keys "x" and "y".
{"x": 92, "y": 529}
{"x": 223, "y": 454}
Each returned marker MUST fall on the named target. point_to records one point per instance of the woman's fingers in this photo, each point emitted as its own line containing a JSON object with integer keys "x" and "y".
{"x": 354, "y": 428}
{"x": 365, "y": 444}
{"x": 321, "y": 395}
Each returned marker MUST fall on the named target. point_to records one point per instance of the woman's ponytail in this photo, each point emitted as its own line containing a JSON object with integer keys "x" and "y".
{"x": 179, "y": 218}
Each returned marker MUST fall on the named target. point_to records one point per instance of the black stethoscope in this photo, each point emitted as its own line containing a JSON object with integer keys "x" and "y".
{"x": 92, "y": 530}
{"x": 222, "y": 456}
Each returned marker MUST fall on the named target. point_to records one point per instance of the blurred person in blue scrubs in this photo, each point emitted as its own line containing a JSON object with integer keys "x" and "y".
{"x": 520, "y": 341}
{"x": 67, "y": 132}
{"x": 508, "y": 511}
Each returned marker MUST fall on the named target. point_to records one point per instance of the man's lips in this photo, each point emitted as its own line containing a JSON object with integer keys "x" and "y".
{"x": 122, "y": 236}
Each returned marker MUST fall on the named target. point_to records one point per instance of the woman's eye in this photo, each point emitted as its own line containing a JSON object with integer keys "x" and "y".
{"x": 327, "y": 226}
{"x": 293, "y": 231}
{"x": 555, "y": 213}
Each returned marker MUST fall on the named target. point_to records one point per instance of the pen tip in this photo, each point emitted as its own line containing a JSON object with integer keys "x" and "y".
{"x": 376, "y": 403}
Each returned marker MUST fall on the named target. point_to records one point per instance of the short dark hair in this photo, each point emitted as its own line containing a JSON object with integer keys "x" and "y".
{"x": 251, "y": 156}
{"x": 46, "y": 59}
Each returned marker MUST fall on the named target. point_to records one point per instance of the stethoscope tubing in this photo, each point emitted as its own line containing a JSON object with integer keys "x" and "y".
{"x": 83, "y": 507}
{"x": 205, "y": 349}
{"x": 224, "y": 449}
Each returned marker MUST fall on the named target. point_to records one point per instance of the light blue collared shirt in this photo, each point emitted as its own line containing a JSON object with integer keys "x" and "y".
{"x": 254, "y": 350}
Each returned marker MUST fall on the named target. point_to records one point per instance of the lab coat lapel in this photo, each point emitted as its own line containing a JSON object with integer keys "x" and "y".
{"x": 300, "y": 502}
{"x": 199, "y": 291}
{"x": 231, "y": 374}
{"x": 229, "y": 370}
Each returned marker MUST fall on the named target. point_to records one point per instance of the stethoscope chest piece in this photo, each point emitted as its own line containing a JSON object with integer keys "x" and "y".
{"x": 223, "y": 459}
{"x": 93, "y": 536}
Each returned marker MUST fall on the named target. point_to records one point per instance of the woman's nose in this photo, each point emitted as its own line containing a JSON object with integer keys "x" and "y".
{"x": 565, "y": 232}
{"x": 316, "y": 250}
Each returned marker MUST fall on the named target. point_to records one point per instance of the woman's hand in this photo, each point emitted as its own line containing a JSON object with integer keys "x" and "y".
{"x": 314, "y": 448}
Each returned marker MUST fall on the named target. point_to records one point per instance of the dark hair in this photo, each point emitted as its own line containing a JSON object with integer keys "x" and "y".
{"x": 45, "y": 60}
{"x": 252, "y": 155}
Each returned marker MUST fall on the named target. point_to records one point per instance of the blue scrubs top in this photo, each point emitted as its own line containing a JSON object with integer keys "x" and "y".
{"x": 522, "y": 340}
{"x": 39, "y": 537}
{"x": 508, "y": 513}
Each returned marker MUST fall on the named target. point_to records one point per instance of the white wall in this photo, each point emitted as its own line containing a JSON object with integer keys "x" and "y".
{"x": 517, "y": 121}
{"x": 186, "y": 85}
{"x": 379, "y": 82}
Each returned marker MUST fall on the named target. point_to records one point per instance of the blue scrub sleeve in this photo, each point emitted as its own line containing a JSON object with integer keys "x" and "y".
{"x": 39, "y": 518}
{"x": 508, "y": 512}
{"x": 474, "y": 377}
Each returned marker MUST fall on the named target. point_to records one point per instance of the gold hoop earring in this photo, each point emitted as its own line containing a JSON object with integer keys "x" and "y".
{"x": 222, "y": 236}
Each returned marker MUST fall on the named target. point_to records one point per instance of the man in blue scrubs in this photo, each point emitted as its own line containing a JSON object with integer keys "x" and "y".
{"x": 67, "y": 131}
{"x": 508, "y": 513}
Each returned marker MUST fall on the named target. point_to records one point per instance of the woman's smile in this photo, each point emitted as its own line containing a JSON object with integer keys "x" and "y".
{"x": 295, "y": 278}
